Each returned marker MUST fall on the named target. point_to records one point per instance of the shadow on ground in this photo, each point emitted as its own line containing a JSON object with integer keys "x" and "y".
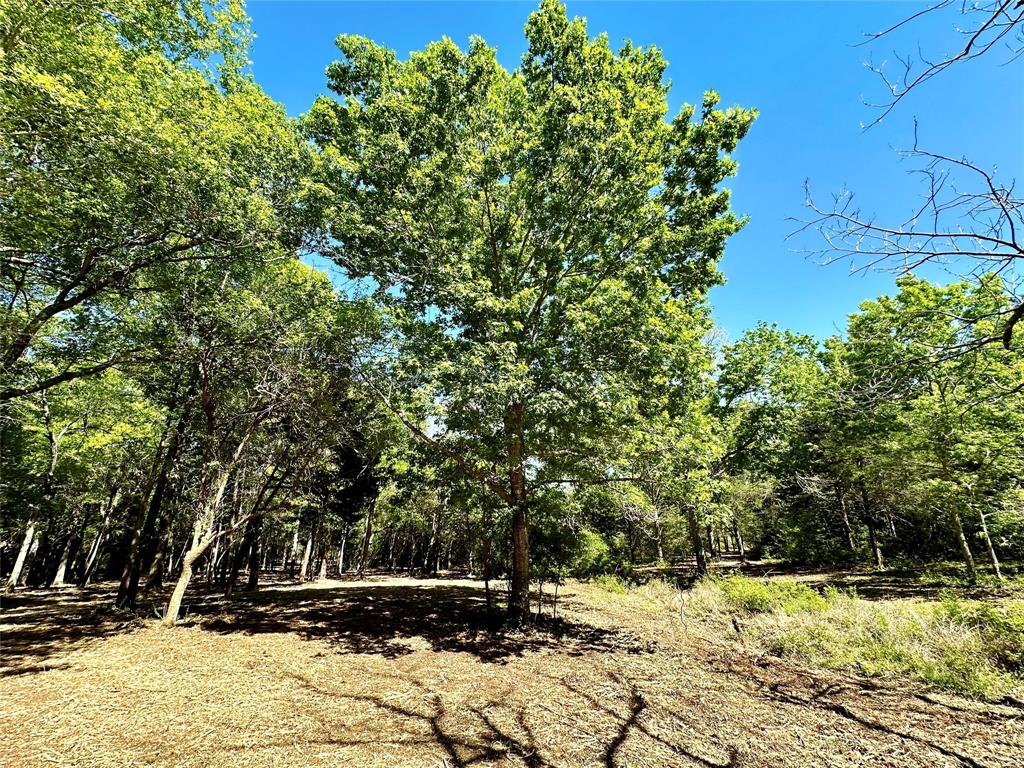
{"x": 393, "y": 620}
{"x": 494, "y": 731}
{"x": 40, "y": 624}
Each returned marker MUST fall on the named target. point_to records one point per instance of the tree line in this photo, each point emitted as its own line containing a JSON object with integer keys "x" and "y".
{"x": 515, "y": 373}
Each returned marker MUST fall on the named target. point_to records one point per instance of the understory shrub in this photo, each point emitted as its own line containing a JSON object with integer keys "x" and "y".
{"x": 610, "y": 583}
{"x": 760, "y": 595}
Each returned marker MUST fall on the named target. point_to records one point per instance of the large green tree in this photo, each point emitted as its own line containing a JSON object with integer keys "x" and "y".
{"x": 131, "y": 142}
{"x": 525, "y": 229}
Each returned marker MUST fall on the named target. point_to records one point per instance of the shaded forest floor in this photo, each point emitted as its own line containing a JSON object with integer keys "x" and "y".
{"x": 402, "y": 672}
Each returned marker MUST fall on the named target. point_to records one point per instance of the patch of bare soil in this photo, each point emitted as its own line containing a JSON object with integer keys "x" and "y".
{"x": 399, "y": 672}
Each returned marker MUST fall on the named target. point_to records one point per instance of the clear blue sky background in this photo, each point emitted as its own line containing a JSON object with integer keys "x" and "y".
{"x": 795, "y": 61}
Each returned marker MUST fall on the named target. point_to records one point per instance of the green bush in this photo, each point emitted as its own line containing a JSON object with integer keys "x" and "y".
{"x": 760, "y": 596}
{"x": 593, "y": 555}
{"x": 610, "y": 583}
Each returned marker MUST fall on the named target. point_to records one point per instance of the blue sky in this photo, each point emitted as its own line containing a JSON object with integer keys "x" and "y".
{"x": 795, "y": 61}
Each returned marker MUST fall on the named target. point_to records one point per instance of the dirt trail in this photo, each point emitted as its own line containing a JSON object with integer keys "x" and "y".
{"x": 401, "y": 672}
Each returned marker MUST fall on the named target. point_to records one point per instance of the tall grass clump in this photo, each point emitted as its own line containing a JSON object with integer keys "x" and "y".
{"x": 971, "y": 647}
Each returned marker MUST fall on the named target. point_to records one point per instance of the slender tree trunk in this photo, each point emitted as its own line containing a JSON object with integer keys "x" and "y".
{"x": 38, "y": 542}
{"x": 254, "y": 555}
{"x": 847, "y": 528}
{"x": 431, "y": 556}
{"x": 62, "y": 565}
{"x": 306, "y": 555}
{"x": 214, "y": 558}
{"x": 242, "y": 554}
{"x": 341, "y": 554}
{"x": 991, "y": 548}
{"x": 876, "y": 550}
{"x": 157, "y": 566}
{"x": 393, "y": 550}
{"x": 122, "y": 600}
{"x": 97, "y": 542}
{"x": 872, "y": 525}
{"x": 19, "y": 563}
{"x": 187, "y": 563}
{"x": 412, "y": 554}
{"x": 965, "y": 547}
{"x": 202, "y": 530}
{"x": 739, "y": 541}
{"x": 31, "y": 540}
{"x": 519, "y": 591}
{"x": 698, "y": 542}
{"x": 364, "y": 557}
{"x": 290, "y": 551}
{"x": 323, "y": 563}
{"x": 144, "y": 541}
{"x": 487, "y": 573}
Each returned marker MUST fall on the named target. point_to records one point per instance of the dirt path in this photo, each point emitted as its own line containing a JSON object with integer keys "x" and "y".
{"x": 398, "y": 672}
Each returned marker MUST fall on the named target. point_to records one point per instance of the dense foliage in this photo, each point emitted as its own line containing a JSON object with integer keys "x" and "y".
{"x": 520, "y": 378}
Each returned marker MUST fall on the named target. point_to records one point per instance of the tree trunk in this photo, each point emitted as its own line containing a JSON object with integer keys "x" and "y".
{"x": 155, "y": 574}
{"x": 214, "y": 558}
{"x": 65, "y": 556}
{"x": 122, "y": 599}
{"x": 341, "y": 554}
{"x": 242, "y": 554}
{"x": 187, "y": 563}
{"x": 412, "y": 554}
{"x": 393, "y": 550}
{"x": 254, "y": 555}
{"x": 97, "y": 542}
{"x": 202, "y": 529}
{"x": 698, "y": 542}
{"x": 289, "y": 553}
{"x": 847, "y": 528}
{"x": 739, "y": 541}
{"x": 965, "y": 547}
{"x": 869, "y": 520}
{"x": 19, "y": 564}
{"x": 991, "y": 548}
{"x": 431, "y": 557}
{"x": 487, "y": 573}
{"x": 364, "y": 556}
{"x": 519, "y": 588}
{"x": 305, "y": 556}
{"x": 876, "y": 550}
{"x": 145, "y": 542}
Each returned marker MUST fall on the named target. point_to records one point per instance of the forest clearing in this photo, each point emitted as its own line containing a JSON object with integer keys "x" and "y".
{"x": 398, "y": 671}
{"x": 427, "y": 384}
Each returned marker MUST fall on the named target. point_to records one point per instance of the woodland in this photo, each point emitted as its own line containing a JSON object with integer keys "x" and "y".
{"x": 509, "y": 439}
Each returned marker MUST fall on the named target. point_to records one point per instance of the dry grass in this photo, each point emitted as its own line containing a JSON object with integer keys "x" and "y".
{"x": 401, "y": 673}
{"x": 971, "y": 647}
